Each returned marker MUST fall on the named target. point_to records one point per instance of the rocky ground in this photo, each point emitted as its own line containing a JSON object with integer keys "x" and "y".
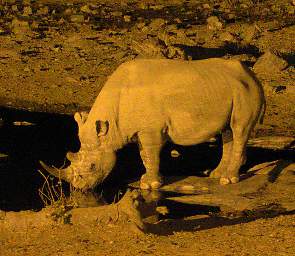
{"x": 56, "y": 55}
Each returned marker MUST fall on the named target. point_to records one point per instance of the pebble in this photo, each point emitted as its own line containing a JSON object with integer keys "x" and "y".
{"x": 214, "y": 23}
{"x": 174, "y": 153}
{"x": 269, "y": 63}
{"x": 127, "y": 18}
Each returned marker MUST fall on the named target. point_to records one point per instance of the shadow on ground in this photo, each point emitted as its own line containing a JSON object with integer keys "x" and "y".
{"x": 169, "y": 227}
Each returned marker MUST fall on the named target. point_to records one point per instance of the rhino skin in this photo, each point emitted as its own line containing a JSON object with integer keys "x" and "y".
{"x": 150, "y": 101}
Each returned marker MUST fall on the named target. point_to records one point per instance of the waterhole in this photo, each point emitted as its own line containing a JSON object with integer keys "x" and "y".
{"x": 27, "y": 137}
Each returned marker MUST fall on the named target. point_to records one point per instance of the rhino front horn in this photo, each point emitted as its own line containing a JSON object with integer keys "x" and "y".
{"x": 61, "y": 174}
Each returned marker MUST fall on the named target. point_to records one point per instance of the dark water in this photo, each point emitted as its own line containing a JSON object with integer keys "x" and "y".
{"x": 52, "y": 136}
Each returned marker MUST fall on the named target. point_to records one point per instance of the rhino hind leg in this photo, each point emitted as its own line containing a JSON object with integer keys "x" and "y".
{"x": 238, "y": 153}
{"x": 227, "y": 141}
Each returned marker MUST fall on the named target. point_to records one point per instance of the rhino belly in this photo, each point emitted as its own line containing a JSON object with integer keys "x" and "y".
{"x": 189, "y": 129}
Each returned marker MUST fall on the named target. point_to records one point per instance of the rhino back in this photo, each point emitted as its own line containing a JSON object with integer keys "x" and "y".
{"x": 192, "y": 98}
{"x": 186, "y": 96}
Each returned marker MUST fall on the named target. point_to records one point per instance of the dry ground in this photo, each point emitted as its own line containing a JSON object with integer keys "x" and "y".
{"x": 55, "y": 56}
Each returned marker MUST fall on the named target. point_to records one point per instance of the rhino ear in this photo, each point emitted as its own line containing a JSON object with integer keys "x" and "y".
{"x": 102, "y": 127}
{"x": 80, "y": 117}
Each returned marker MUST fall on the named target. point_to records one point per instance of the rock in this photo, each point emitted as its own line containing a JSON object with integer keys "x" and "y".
{"x": 19, "y": 27}
{"x": 157, "y": 7}
{"x": 140, "y": 25}
{"x": 14, "y": 8}
{"x": 86, "y": 9}
{"x": 27, "y": 11}
{"x": 68, "y": 12}
{"x": 272, "y": 142}
{"x": 117, "y": 14}
{"x": 269, "y": 63}
{"x": 156, "y": 24}
{"x": 249, "y": 33}
{"x": 275, "y": 8}
{"x": 43, "y": 11}
{"x": 214, "y": 23}
{"x": 231, "y": 16}
{"x": 290, "y": 9}
{"x": 226, "y": 37}
{"x": 143, "y": 5}
{"x": 244, "y": 6}
{"x": 177, "y": 20}
{"x": 77, "y": 18}
{"x": 206, "y": 6}
{"x": 148, "y": 49}
{"x": 2, "y": 31}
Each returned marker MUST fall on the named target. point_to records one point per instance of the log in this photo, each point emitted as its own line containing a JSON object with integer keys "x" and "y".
{"x": 225, "y": 202}
{"x": 273, "y": 142}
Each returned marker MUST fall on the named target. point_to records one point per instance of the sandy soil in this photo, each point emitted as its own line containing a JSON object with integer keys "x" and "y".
{"x": 55, "y": 57}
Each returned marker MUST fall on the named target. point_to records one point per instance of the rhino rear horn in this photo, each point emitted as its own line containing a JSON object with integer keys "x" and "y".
{"x": 63, "y": 174}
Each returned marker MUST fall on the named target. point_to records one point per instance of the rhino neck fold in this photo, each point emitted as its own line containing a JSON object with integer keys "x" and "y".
{"x": 115, "y": 139}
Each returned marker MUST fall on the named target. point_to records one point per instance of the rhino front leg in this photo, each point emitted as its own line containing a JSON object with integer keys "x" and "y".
{"x": 150, "y": 148}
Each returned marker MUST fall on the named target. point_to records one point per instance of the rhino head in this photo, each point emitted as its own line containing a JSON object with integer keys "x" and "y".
{"x": 94, "y": 161}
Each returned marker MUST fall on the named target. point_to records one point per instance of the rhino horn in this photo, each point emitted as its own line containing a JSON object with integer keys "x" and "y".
{"x": 63, "y": 174}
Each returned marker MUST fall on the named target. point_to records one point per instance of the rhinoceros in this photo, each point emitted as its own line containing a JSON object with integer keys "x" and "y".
{"x": 151, "y": 101}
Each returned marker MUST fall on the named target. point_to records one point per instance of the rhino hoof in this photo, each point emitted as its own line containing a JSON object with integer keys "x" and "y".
{"x": 144, "y": 186}
{"x": 153, "y": 185}
{"x": 156, "y": 184}
{"x": 224, "y": 181}
{"x": 234, "y": 180}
